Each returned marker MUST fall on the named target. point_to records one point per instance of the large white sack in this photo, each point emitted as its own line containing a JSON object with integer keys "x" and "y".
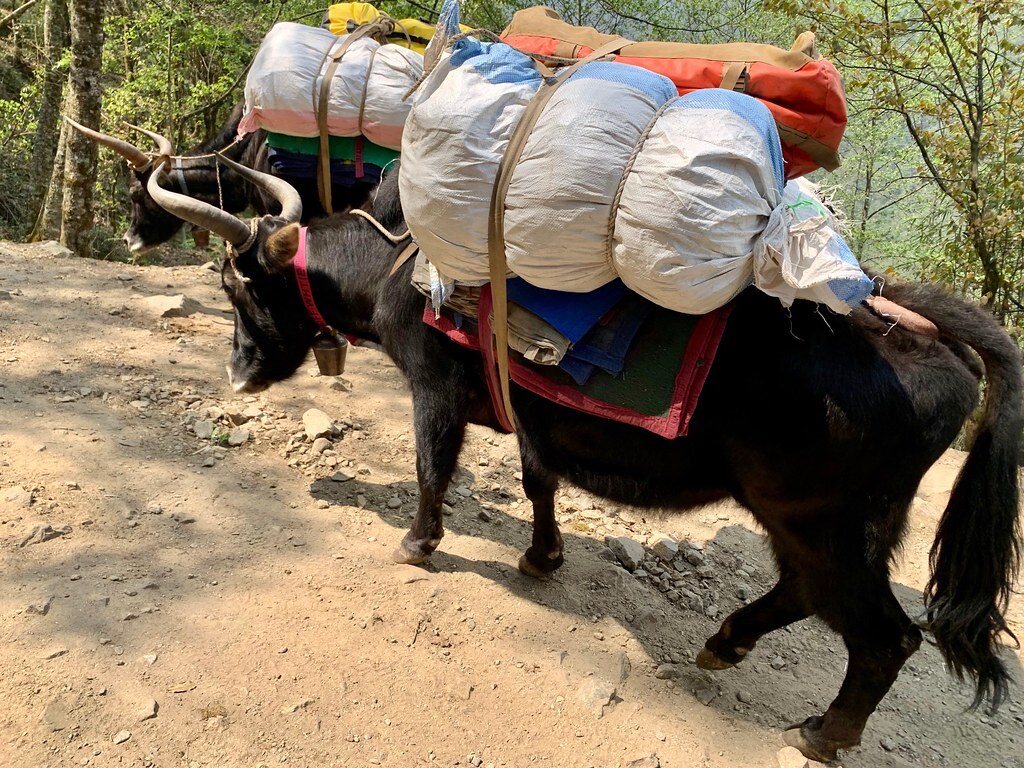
{"x": 460, "y": 124}
{"x": 365, "y": 95}
{"x": 697, "y": 201}
{"x": 558, "y": 207}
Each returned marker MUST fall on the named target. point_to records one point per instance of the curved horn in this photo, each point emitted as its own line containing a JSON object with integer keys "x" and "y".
{"x": 164, "y": 146}
{"x": 279, "y": 189}
{"x": 204, "y": 215}
{"x": 129, "y": 152}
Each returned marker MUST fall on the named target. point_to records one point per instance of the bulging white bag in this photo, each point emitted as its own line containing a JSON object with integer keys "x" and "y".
{"x": 282, "y": 89}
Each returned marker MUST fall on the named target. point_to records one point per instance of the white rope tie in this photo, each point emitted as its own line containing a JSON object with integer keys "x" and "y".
{"x": 395, "y": 239}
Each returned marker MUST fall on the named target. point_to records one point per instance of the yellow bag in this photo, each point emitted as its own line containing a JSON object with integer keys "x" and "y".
{"x": 342, "y": 18}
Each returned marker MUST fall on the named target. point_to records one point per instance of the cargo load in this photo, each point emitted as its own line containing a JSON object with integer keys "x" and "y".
{"x": 803, "y": 91}
{"x": 684, "y": 198}
{"x": 306, "y": 81}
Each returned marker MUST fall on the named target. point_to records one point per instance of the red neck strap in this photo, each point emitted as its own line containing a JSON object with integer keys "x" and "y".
{"x": 302, "y": 277}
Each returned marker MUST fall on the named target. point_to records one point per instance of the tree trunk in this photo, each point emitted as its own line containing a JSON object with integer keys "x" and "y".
{"x": 84, "y": 105}
{"x": 44, "y": 143}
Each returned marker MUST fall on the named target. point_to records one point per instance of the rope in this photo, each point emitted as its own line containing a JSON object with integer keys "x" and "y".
{"x": 395, "y": 239}
{"x": 614, "y": 210}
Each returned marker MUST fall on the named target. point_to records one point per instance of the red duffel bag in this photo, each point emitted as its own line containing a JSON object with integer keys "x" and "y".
{"x": 803, "y": 91}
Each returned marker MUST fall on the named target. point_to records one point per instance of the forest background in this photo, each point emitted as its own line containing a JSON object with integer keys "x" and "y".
{"x": 932, "y": 180}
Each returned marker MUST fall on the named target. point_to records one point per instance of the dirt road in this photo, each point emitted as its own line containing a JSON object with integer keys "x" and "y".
{"x": 186, "y": 579}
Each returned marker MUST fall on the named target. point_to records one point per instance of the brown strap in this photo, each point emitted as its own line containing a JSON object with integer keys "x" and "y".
{"x": 407, "y": 253}
{"x": 496, "y": 219}
{"x": 322, "y": 106}
{"x": 731, "y": 74}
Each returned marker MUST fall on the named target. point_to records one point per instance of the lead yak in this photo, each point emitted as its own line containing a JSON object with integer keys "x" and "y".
{"x": 822, "y": 430}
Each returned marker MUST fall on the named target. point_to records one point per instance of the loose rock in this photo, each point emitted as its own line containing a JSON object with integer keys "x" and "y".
{"x": 148, "y": 710}
{"x": 238, "y": 436}
{"x": 203, "y": 429}
{"x": 121, "y": 737}
{"x": 596, "y": 695}
{"x": 57, "y": 716}
{"x": 791, "y": 757}
{"x": 43, "y": 532}
{"x": 178, "y": 305}
{"x": 16, "y": 497}
{"x": 321, "y": 444}
{"x": 667, "y": 672}
{"x": 648, "y": 761}
{"x": 628, "y": 552}
{"x": 664, "y": 546}
{"x": 316, "y": 424}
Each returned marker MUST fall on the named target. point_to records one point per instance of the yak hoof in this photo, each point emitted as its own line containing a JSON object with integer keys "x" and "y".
{"x": 708, "y": 660}
{"x": 531, "y": 570}
{"x": 408, "y": 556}
{"x": 807, "y": 738}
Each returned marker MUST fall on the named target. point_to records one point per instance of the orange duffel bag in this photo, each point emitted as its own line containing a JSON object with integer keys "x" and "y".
{"x": 803, "y": 91}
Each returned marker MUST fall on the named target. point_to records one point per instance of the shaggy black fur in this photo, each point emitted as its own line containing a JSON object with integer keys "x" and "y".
{"x": 822, "y": 430}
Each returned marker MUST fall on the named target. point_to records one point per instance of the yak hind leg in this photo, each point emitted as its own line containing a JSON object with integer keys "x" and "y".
{"x": 439, "y": 435}
{"x": 545, "y": 554}
{"x": 741, "y": 630}
{"x": 879, "y": 637}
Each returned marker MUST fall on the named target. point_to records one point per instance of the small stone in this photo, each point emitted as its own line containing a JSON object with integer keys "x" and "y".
{"x": 41, "y": 608}
{"x": 322, "y": 504}
{"x": 203, "y": 429}
{"x": 292, "y": 708}
{"x": 154, "y": 508}
{"x": 16, "y": 497}
{"x": 705, "y": 695}
{"x": 43, "y": 532}
{"x": 121, "y": 737}
{"x": 648, "y": 761}
{"x": 694, "y": 557}
{"x": 342, "y": 477}
{"x": 53, "y": 653}
{"x": 628, "y": 552}
{"x": 778, "y": 663}
{"x": 464, "y": 492}
{"x": 148, "y": 710}
{"x": 790, "y": 757}
{"x": 321, "y": 444}
{"x": 394, "y": 502}
{"x": 667, "y": 672}
{"x": 484, "y": 515}
{"x": 596, "y": 695}
{"x": 744, "y": 697}
{"x": 150, "y": 659}
{"x": 338, "y": 384}
{"x": 446, "y": 508}
{"x": 664, "y": 546}
{"x": 316, "y": 424}
{"x": 888, "y": 744}
{"x": 361, "y": 500}
{"x": 238, "y": 436}
{"x": 178, "y": 305}
{"x": 625, "y": 666}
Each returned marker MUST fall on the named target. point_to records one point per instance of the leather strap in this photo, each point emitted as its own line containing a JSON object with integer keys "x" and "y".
{"x": 731, "y": 74}
{"x": 179, "y": 170}
{"x": 496, "y": 220}
{"x": 322, "y": 106}
{"x": 302, "y": 278}
{"x": 407, "y": 253}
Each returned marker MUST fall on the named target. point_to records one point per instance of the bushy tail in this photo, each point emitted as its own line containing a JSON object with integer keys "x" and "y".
{"x": 977, "y": 549}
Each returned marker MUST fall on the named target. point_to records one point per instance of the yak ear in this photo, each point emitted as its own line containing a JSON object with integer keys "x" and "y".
{"x": 281, "y": 247}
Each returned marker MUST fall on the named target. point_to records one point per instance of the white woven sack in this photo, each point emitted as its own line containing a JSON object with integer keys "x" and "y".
{"x": 365, "y": 96}
{"x": 463, "y": 116}
{"x": 698, "y": 199}
{"x": 558, "y": 207}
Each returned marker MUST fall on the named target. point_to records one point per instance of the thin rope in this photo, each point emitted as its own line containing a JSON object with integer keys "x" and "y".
{"x": 395, "y": 239}
{"x": 614, "y": 210}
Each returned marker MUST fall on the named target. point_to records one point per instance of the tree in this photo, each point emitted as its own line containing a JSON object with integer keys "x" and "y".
{"x": 84, "y": 104}
{"x": 952, "y": 72}
{"x": 44, "y": 143}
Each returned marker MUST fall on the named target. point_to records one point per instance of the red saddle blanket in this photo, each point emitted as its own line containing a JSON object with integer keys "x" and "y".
{"x": 658, "y": 390}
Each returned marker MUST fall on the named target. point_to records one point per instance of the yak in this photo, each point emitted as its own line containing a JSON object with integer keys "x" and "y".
{"x": 822, "y": 431}
{"x": 197, "y": 174}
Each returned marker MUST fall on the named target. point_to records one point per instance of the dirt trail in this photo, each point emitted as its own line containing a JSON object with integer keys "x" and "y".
{"x": 249, "y": 599}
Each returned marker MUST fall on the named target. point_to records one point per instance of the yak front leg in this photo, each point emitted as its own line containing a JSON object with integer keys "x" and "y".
{"x": 544, "y": 556}
{"x": 440, "y": 431}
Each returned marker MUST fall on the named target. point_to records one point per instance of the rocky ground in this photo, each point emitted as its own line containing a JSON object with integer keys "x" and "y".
{"x": 191, "y": 578}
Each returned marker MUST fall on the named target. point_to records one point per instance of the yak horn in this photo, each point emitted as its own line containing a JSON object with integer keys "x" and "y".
{"x": 196, "y": 212}
{"x": 138, "y": 159}
{"x": 164, "y": 146}
{"x": 279, "y": 189}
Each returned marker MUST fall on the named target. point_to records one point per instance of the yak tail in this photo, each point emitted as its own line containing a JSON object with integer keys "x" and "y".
{"x": 976, "y": 554}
